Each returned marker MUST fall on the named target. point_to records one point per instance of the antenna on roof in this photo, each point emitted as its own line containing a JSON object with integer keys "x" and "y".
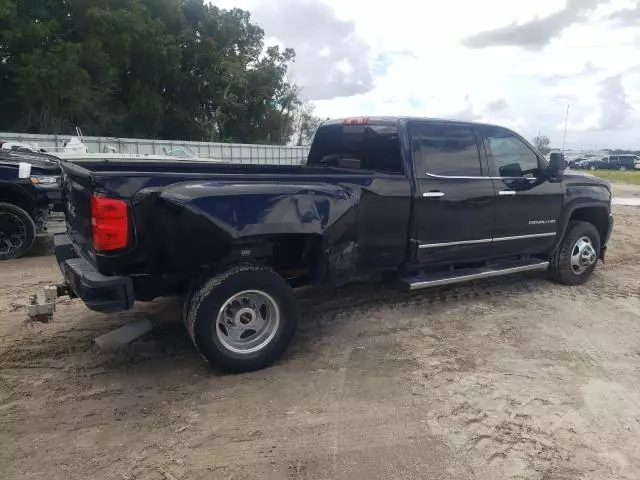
{"x": 566, "y": 122}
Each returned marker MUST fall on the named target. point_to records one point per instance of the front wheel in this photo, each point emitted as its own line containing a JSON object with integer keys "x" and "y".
{"x": 592, "y": 168}
{"x": 575, "y": 259}
{"x": 17, "y": 231}
{"x": 242, "y": 319}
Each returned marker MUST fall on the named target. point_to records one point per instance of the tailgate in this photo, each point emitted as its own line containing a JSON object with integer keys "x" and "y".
{"x": 76, "y": 202}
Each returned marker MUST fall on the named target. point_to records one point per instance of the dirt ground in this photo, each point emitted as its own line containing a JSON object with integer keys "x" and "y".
{"x": 626, "y": 190}
{"x": 512, "y": 378}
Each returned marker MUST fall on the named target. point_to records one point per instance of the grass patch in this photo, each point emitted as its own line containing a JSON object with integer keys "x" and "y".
{"x": 632, "y": 178}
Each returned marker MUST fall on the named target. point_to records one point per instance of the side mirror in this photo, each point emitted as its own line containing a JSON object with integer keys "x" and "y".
{"x": 556, "y": 164}
{"x": 511, "y": 170}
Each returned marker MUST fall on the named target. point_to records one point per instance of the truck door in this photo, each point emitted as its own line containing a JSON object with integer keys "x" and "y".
{"x": 371, "y": 168}
{"x": 455, "y": 197}
{"x": 528, "y": 203}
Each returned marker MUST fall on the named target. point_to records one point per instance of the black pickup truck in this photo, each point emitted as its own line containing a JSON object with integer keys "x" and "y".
{"x": 27, "y": 199}
{"x": 428, "y": 202}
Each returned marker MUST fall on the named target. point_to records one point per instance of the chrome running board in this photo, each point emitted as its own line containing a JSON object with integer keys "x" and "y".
{"x": 468, "y": 274}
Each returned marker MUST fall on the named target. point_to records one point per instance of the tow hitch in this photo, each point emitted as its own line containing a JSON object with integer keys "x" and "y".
{"x": 42, "y": 311}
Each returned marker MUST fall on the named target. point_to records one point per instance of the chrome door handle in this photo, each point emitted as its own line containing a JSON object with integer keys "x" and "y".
{"x": 433, "y": 194}
{"x": 506, "y": 192}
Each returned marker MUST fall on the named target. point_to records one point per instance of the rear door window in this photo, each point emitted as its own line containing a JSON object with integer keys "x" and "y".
{"x": 445, "y": 150}
{"x": 361, "y": 147}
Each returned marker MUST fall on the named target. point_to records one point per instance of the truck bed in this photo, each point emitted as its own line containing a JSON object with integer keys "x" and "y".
{"x": 186, "y": 215}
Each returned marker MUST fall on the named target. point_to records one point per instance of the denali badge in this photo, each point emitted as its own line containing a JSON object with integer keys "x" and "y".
{"x": 542, "y": 222}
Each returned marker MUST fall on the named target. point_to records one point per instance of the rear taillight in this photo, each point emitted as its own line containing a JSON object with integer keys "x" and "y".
{"x": 109, "y": 223}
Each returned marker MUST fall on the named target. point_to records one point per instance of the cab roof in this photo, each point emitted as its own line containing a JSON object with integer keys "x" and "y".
{"x": 394, "y": 120}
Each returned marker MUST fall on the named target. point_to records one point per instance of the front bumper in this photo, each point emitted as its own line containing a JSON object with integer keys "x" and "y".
{"x": 101, "y": 293}
{"x": 603, "y": 248}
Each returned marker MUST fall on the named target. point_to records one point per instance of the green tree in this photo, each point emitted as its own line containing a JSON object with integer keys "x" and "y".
{"x": 306, "y": 124}
{"x": 175, "y": 69}
{"x": 542, "y": 142}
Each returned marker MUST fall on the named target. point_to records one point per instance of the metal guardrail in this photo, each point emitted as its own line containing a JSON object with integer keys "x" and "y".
{"x": 230, "y": 152}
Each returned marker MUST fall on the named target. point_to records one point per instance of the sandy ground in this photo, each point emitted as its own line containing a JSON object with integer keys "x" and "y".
{"x": 512, "y": 378}
{"x": 626, "y": 190}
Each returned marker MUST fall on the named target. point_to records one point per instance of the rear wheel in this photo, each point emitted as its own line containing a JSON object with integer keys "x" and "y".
{"x": 575, "y": 259}
{"x": 17, "y": 231}
{"x": 242, "y": 319}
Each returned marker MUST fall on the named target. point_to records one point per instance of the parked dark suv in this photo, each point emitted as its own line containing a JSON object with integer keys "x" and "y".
{"x": 614, "y": 162}
{"x": 29, "y": 190}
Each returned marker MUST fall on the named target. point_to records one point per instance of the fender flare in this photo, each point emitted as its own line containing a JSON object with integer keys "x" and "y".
{"x": 15, "y": 189}
{"x": 568, "y": 213}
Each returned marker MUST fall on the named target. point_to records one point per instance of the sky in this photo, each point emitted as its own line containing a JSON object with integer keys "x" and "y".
{"x": 514, "y": 63}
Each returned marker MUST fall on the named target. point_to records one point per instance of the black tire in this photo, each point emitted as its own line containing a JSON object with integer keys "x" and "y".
{"x": 560, "y": 263}
{"x": 29, "y": 229}
{"x": 207, "y": 299}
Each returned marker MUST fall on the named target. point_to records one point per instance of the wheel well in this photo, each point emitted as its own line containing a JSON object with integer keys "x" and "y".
{"x": 290, "y": 255}
{"x": 16, "y": 197}
{"x": 597, "y": 216}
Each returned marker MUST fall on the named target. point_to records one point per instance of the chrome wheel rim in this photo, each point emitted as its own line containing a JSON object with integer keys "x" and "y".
{"x": 583, "y": 255}
{"x": 247, "y": 322}
{"x": 13, "y": 233}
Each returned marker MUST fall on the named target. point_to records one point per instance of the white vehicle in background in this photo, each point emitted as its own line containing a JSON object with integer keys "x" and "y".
{"x": 181, "y": 153}
{"x": 74, "y": 145}
{"x": 76, "y": 150}
{"x": 21, "y": 147}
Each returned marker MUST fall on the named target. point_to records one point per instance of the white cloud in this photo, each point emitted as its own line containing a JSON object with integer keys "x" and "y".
{"x": 410, "y": 58}
{"x": 537, "y": 32}
{"x": 613, "y": 108}
{"x": 497, "y": 105}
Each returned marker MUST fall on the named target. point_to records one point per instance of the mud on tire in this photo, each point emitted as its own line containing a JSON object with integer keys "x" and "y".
{"x": 204, "y": 321}
{"x": 560, "y": 267}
